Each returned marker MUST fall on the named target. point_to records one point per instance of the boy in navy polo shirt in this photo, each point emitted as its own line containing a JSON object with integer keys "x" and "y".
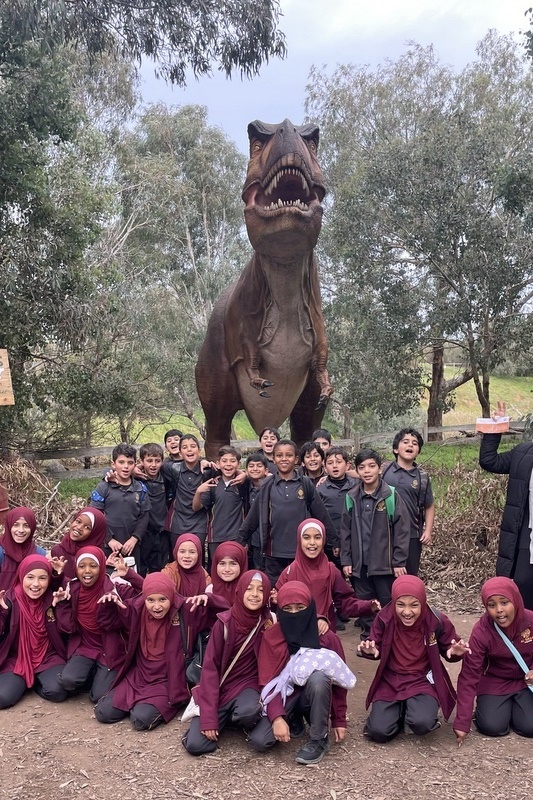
{"x": 155, "y": 544}
{"x": 183, "y": 518}
{"x": 414, "y": 487}
{"x": 283, "y": 502}
{"x": 126, "y": 504}
{"x": 256, "y": 471}
{"x": 224, "y": 500}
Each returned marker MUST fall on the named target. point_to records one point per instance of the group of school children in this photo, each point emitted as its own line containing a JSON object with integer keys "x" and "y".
{"x": 124, "y": 607}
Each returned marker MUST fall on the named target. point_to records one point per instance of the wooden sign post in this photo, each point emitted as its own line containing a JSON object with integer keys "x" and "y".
{"x": 7, "y": 398}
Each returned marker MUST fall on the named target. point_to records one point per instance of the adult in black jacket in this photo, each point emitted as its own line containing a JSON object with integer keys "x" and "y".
{"x": 515, "y": 548}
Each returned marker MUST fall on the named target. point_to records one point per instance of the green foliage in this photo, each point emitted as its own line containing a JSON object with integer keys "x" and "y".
{"x": 430, "y": 221}
{"x": 191, "y": 34}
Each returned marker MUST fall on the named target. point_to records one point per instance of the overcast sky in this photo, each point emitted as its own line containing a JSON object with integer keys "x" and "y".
{"x": 331, "y": 32}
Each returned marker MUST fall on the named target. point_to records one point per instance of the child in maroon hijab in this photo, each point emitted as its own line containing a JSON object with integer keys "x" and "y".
{"x": 32, "y": 650}
{"x": 152, "y": 685}
{"x": 94, "y": 654}
{"x": 229, "y": 563}
{"x": 318, "y": 701}
{"x": 410, "y": 682}
{"x": 186, "y": 572}
{"x": 328, "y": 588}
{"x": 89, "y": 527}
{"x": 229, "y": 686}
{"x": 490, "y": 673}
{"x": 17, "y": 543}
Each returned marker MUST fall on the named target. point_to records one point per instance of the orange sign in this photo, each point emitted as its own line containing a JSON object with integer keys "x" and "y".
{"x": 7, "y": 398}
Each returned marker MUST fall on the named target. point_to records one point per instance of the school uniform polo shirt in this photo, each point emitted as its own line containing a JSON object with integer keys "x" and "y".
{"x": 368, "y": 504}
{"x": 407, "y": 483}
{"x": 184, "y": 519}
{"x": 227, "y": 505}
{"x": 126, "y": 509}
{"x": 287, "y": 509}
{"x": 158, "y": 503}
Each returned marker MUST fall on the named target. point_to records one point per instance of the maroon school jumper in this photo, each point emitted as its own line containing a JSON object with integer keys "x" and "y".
{"x": 160, "y": 683}
{"x": 221, "y": 651}
{"x": 342, "y": 594}
{"x": 275, "y": 707}
{"x": 56, "y": 653}
{"x": 491, "y": 668}
{"x": 394, "y": 686}
{"x": 107, "y": 647}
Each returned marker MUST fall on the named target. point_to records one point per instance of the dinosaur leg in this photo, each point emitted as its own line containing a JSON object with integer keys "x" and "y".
{"x": 308, "y": 412}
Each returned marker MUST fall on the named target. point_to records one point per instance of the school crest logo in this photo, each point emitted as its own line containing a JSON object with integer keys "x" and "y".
{"x": 300, "y": 493}
{"x": 432, "y": 638}
{"x": 137, "y": 497}
{"x": 176, "y": 618}
{"x": 50, "y": 616}
{"x": 415, "y": 483}
{"x": 381, "y": 506}
{"x": 526, "y": 636}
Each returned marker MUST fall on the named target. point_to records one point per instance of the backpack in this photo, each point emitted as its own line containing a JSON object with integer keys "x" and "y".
{"x": 390, "y": 503}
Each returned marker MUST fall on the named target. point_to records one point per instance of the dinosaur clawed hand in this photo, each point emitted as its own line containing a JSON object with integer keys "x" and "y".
{"x": 323, "y": 400}
{"x": 261, "y": 385}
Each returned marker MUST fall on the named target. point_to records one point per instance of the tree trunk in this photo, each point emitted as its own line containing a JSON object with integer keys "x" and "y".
{"x": 435, "y": 390}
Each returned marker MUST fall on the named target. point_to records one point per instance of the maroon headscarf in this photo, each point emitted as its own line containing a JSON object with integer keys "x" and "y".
{"x": 89, "y": 595}
{"x": 315, "y": 573}
{"x": 237, "y": 552}
{"x": 96, "y": 537}
{"x": 154, "y": 631}
{"x": 245, "y": 619}
{"x": 14, "y": 552}
{"x": 408, "y": 653}
{"x": 504, "y": 587}
{"x": 33, "y": 638}
{"x": 188, "y": 582}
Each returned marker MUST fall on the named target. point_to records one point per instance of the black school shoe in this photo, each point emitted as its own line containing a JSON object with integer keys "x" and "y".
{"x": 313, "y": 752}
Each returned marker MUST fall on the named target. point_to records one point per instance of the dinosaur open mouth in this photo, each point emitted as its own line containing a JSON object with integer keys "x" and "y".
{"x": 284, "y": 187}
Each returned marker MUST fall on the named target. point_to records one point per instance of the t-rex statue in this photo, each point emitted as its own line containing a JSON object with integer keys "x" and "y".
{"x": 266, "y": 331}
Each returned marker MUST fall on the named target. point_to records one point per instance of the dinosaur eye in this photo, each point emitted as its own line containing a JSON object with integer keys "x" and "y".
{"x": 257, "y": 146}
{"x": 312, "y": 145}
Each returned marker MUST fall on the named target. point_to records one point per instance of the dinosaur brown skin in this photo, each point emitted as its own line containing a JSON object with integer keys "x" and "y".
{"x": 265, "y": 349}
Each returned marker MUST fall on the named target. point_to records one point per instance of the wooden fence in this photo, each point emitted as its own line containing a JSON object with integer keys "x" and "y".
{"x": 359, "y": 440}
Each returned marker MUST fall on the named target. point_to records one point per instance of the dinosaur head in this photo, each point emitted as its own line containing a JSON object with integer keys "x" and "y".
{"x": 284, "y": 189}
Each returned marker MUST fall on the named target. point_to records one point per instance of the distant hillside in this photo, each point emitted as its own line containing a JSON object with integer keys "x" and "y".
{"x": 516, "y": 392}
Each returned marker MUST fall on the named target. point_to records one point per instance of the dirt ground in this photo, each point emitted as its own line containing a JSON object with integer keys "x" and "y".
{"x": 61, "y": 752}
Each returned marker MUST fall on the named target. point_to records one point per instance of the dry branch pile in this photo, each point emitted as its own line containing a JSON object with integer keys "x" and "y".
{"x": 27, "y": 486}
{"x": 467, "y": 523}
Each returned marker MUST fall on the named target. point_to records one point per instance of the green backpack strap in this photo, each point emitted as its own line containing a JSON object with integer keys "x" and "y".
{"x": 390, "y": 503}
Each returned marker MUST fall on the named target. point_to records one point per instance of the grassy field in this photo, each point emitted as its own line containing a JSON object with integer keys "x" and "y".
{"x": 516, "y": 392}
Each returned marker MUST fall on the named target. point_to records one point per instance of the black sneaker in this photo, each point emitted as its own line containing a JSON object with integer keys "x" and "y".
{"x": 339, "y": 624}
{"x": 296, "y": 725}
{"x": 313, "y": 752}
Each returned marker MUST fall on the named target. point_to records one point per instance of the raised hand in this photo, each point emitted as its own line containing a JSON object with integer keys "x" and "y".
{"x": 3, "y": 603}
{"x": 63, "y": 593}
{"x": 197, "y": 600}
{"x": 499, "y": 411}
{"x": 368, "y": 648}
{"x": 458, "y": 648}
{"x": 116, "y": 560}
{"x": 58, "y": 563}
{"x": 112, "y": 597}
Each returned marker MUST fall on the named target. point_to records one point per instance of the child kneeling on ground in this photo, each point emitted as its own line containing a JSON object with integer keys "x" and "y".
{"x": 229, "y": 686}
{"x": 292, "y": 652}
{"x": 410, "y": 682}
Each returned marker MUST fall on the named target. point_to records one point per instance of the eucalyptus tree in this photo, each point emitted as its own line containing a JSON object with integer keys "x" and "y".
{"x": 431, "y": 202}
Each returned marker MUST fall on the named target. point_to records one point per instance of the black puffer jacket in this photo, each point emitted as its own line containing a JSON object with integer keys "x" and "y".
{"x": 517, "y": 463}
